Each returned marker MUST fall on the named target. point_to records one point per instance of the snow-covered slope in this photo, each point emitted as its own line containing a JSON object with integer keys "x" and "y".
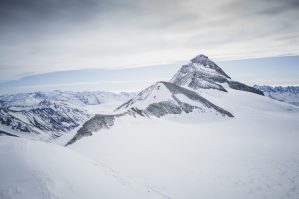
{"x": 38, "y": 170}
{"x": 253, "y": 156}
{"x": 288, "y": 94}
{"x": 202, "y": 73}
{"x": 48, "y": 115}
{"x": 159, "y": 100}
{"x": 165, "y": 98}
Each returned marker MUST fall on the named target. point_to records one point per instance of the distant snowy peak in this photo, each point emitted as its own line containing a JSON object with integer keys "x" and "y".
{"x": 278, "y": 89}
{"x": 202, "y": 60}
{"x": 155, "y": 93}
{"x": 165, "y": 98}
{"x": 77, "y": 98}
{"x": 288, "y": 94}
{"x": 46, "y": 120}
{"x": 202, "y": 73}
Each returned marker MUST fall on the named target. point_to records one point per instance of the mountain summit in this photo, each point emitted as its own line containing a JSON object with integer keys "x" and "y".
{"x": 202, "y": 73}
{"x": 177, "y": 98}
{"x": 165, "y": 98}
{"x": 207, "y": 63}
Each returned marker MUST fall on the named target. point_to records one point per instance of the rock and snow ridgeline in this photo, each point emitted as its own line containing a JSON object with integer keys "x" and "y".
{"x": 202, "y": 73}
{"x": 177, "y": 96}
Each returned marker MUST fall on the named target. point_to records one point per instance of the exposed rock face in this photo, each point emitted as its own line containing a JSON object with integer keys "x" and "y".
{"x": 96, "y": 123}
{"x": 7, "y": 134}
{"x": 243, "y": 87}
{"x": 205, "y": 61}
{"x": 202, "y": 73}
{"x": 7, "y": 119}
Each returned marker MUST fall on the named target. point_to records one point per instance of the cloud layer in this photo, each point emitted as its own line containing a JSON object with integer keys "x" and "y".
{"x": 39, "y": 36}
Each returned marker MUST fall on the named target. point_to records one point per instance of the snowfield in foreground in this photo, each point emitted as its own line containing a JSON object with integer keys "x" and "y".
{"x": 254, "y": 155}
{"x": 38, "y": 170}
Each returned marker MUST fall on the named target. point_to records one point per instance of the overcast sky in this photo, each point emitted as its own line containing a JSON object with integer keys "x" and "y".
{"x": 39, "y": 36}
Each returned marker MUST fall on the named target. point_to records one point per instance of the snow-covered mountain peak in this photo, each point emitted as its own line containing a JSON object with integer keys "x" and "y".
{"x": 200, "y": 58}
{"x": 202, "y": 73}
{"x": 163, "y": 98}
{"x": 202, "y": 63}
{"x": 154, "y": 93}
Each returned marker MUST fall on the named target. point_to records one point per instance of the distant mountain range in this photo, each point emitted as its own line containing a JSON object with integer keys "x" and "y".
{"x": 288, "y": 94}
{"x": 48, "y": 115}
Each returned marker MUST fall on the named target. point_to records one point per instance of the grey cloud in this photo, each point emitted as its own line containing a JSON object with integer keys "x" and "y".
{"x": 49, "y": 35}
{"x": 279, "y": 7}
{"x": 16, "y": 11}
{"x": 267, "y": 7}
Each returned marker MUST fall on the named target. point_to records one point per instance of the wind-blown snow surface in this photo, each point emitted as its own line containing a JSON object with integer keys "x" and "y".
{"x": 38, "y": 170}
{"x": 254, "y": 155}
